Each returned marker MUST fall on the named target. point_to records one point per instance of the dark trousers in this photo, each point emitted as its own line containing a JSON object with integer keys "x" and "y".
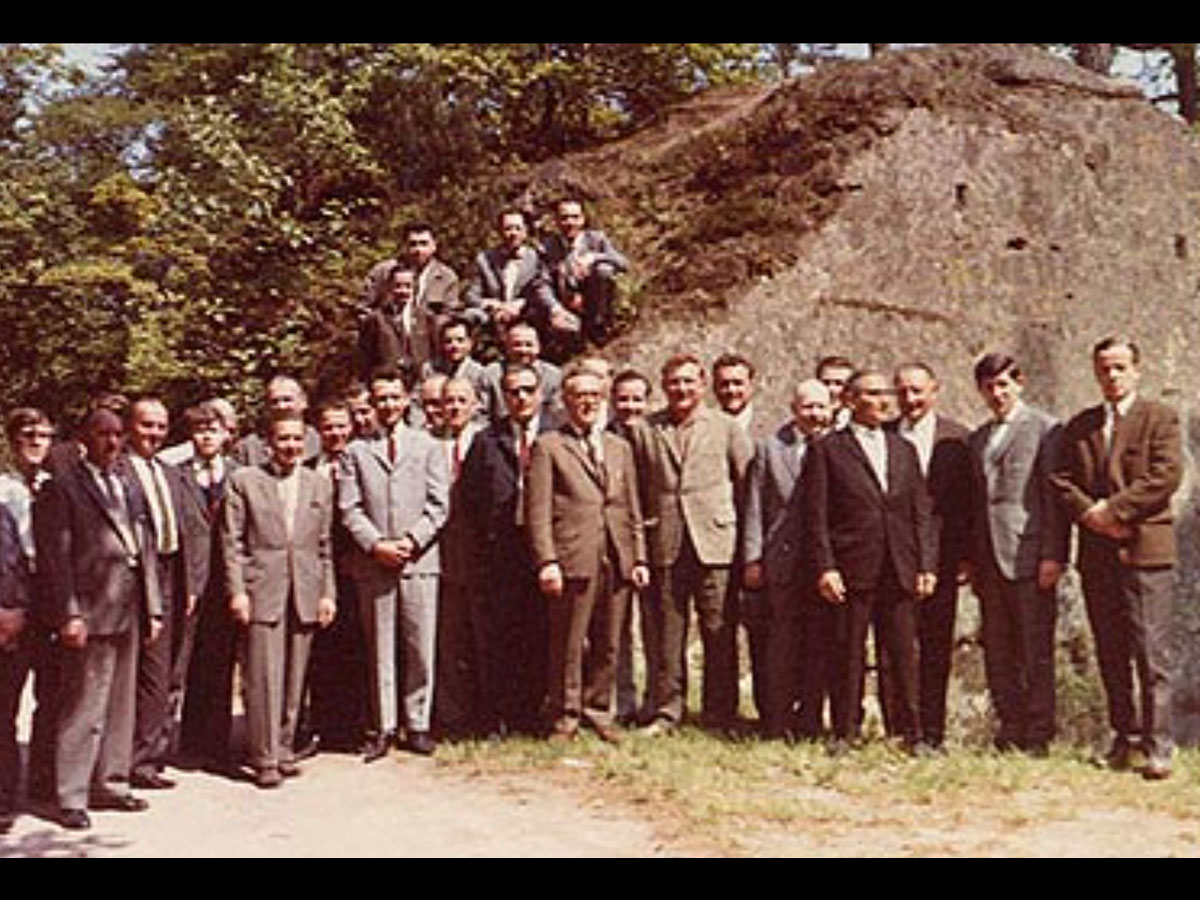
{"x": 686, "y": 584}
{"x": 1018, "y": 647}
{"x": 207, "y": 718}
{"x": 819, "y": 677}
{"x": 890, "y": 613}
{"x": 153, "y": 718}
{"x": 36, "y": 653}
{"x": 337, "y": 677}
{"x": 456, "y": 685}
{"x": 1130, "y": 612}
{"x": 515, "y": 645}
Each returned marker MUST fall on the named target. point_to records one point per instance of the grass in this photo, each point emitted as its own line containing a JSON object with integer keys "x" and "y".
{"x": 745, "y": 796}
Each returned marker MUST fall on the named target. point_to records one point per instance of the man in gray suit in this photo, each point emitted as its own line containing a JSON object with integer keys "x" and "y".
{"x": 393, "y": 496}
{"x": 95, "y": 548}
{"x": 279, "y": 577}
{"x": 694, "y": 461}
{"x": 1019, "y": 550}
{"x": 772, "y": 541}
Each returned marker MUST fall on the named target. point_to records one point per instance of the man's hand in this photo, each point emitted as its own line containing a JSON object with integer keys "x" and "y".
{"x": 239, "y": 606}
{"x": 1100, "y": 518}
{"x": 752, "y": 576}
{"x": 12, "y": 623}
{"x": 550, "y": 580}
{"x": 1048, "y": 573}
{"x": 926, "y": 585}
{"x": 640, "y": 576}
{"x": 326, "y": 611}
{"x": 74, "y": 633}
{"x": 831, "y": 587}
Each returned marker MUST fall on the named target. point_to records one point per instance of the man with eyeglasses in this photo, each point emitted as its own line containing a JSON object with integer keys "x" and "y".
{"x": 494, "y": 478}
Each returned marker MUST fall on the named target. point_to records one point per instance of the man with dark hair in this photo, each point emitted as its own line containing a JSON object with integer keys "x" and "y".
{"x": 584, "y": 265}
{"x": 513, "y": 655}
{"x": 693, "y": 461}
{"x": 873, "y": 549}
{"x": 1122, "y": 463}
{"x": 95, "y": 545}
{"x": 393, "y": 494}
{"x": 456, "y": 343}
{"x": 834, "y": 371}
{"x": 1019, "y": 548}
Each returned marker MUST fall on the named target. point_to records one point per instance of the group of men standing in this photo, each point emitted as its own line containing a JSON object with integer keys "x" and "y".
{"x": 459, "y": 550}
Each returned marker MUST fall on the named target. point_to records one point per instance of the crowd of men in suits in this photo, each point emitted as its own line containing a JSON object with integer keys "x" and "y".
{"x": 452, "y": 550}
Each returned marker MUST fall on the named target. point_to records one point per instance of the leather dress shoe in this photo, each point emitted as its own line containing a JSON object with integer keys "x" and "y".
{"x": 421, "y": 743}
{"x": 1156, "y": 770}
{"x": 376, "y": 748}
{"x": 288, "y": 768}
{"x": 74, "y": 819}
{"x": 151, "y": 781}
{"x": 268, "y": 778}
{"x": 112, "y": 801}
{"x": 608, "y": 732}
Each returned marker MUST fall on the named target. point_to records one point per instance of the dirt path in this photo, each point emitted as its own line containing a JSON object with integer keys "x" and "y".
{"x": 400, "y": 807}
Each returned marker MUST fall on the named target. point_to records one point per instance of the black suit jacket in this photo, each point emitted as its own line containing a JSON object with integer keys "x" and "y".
{"x": 201, "y": 520}
{"x": 860, "y": 529}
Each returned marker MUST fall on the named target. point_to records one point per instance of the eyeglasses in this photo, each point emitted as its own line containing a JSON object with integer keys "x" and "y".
{"x": 520, "y": 390}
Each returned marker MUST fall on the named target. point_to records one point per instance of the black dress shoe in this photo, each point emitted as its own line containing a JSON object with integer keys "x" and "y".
{"x": 376, "y": 748}
{"x": 308, "y": 748}
{"x": 74, "y": 819}
{"x": 421, "y": 743}
{"x": 288, "y": 768}
{"x": 151, "y": 781}
{"x": 112, "y": 801}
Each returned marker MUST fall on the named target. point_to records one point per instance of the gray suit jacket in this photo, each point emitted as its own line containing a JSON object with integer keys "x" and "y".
{"x": 93, "y": 568}
{"x": 260, "y": 557}
{"x": 378, "y": 499}
{"x": 772, "y": 529}
{"x": 533, "y": 285}
{"x": 1017, "y": 520}
{"x": 697, "y": 494}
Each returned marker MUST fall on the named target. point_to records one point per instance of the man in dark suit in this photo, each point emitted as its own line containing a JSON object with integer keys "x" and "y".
{"x": 1122, "y": 462}
{"x": 95, "y": 548}
{"x": 207, "y": 716}
{"x": 514, "y": 651}
{"x": 874, "y": 549}
{"x": 941, "y": 445}
{"x": 693, "y": 461}
{"x": 279, "y": 579}
{"x": 148, "y": 424}
{"x": 1019, "y": 539}
{"x": 395, "y": 329}
{"x": 437, "y": 287}
{"x": 773, "y": 538}
{"x": 584, "y": 264}
{"x": 585, "y": 527}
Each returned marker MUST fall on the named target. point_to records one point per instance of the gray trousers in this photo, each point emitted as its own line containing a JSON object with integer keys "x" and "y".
{"x": 276, "y": 663}
{"x": 399, "y": 618}
{"x": 96, "y": 715}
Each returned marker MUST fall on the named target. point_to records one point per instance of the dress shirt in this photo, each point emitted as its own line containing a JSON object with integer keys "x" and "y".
{"x": 288, "y": 484}
{"x": 920, "y": 435}
{"x": 1113, "y": 413}
{"x": 113, "y": 492}
{"x": 874, "y": 444}
{"x": 162, "y": 510}
{"x": 209, "y": 472}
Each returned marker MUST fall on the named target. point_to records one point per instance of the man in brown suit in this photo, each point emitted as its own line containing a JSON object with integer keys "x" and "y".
{"x": 1122, "y": 461}
{"x": 694, "y": 461}
{"x": 279, "y": 575}
{"x": 584, "y": 520}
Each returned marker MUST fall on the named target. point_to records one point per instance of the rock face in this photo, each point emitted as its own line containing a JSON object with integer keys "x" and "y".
{"x": 935, "y": 205}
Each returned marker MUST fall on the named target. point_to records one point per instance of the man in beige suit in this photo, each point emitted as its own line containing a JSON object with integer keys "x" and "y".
{"x": 693, "y": 461}
{"x": 584, "y": 521}
{"x": 279, "y": 575}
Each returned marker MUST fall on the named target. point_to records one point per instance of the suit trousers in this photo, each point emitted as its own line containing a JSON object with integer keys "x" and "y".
{"x": 1018, "y": 620}
{"x": 686, "y": 584}
{"x": 337, "y": 676}
{"x": 456, "y": 687}
{"x": 207, "y": 717}
{"x": 35, "y": 652}
{"x": 819, "y": 677}
{"x": 1130, "y": 612}
{"x": 96, "y": 716}
{"x": 889, "y": 612}
{"x": 399, "y": 617}
{"x": 641, "y": 608}
{"x": 782, "y": 627}
{"x": 276, "y": 668}
{"x": 584, "y": 626}
{"x": 153, "y": 723}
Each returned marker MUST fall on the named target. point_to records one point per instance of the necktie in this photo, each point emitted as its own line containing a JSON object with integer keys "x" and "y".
{"x": 392, "y": 449}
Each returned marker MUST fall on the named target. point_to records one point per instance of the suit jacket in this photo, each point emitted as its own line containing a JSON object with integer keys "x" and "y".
{"x": 201, "y": 522}
{"x": 533, "y": 285}
{"x": 856, "y": 525}
{"x": 91, "y": 565}
{"x": 1138, "y": 478}
{"x": 556, "y": 252}
{"x": 455, "y": 546}
{"x": 948, "y": 479}
{"x": 1016, "y": 519}
{"x": 578, "y": 511}
{"x": 696, "y": 494}
{"x": 772, "y": 529}
{"x": 262, "y": 560}
{"x": 14, "y": 593}
{"x": 379, "y": 499}
{"x": 491, "y": 493}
